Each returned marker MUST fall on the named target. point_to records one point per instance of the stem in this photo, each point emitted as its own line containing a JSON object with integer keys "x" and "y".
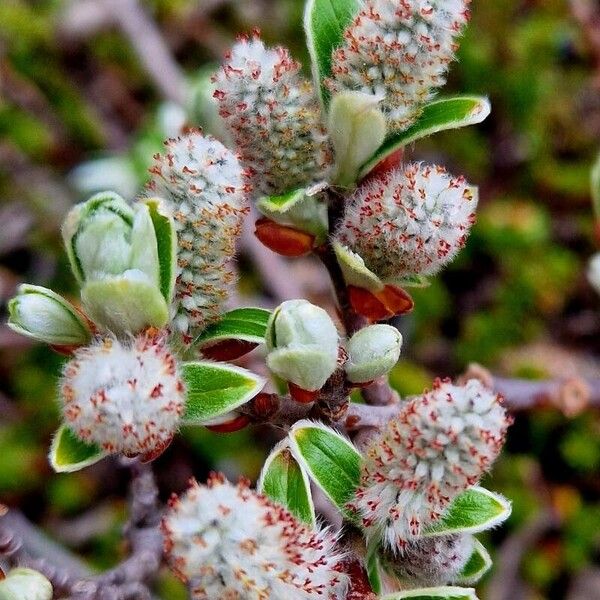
{"x": 21, "y": 545}
{"x": 379, "y": 393}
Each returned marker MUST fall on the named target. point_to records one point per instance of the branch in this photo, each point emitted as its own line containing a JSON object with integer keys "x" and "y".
{"x": 22, "y": 545}
{"x": 379, "y": 393}
{"x": 150, "y": 48}
{"x": 571, "y": 396}
{"x": 129, "y": 579}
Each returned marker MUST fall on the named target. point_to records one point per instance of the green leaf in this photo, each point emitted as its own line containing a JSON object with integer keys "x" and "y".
{"x": 331, "y": 461}
{"x": 595, "y": 183}
{"x": 357, "y": 128}
{"x": 283, "y": 480}
{"x": 281, "y": 203}
{"x": 436, "y": 593}
{"x": 68, "y": 453}
{"x": 354, "y": 269}
{"x": 166, "y": 240}
{"x": 300, "y": 208}
{"x": 477, "y": 566}
{"x": 325, "y": 22}
{"x": 214, "y": 389}
{"x": 248, "y": 324}
{"x": 417, "y": 281}
{"x": 475, "y": 510}
{"x": 373, "y": 572}
{"x": 439, "y": 115}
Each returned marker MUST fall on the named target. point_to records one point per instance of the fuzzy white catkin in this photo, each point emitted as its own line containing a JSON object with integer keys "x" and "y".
{"x": 399, "y": 50}
{"x": 202, "y": 184}
{"x": 440, "y": 444}
{"x": 126, "y": 396}
{"x": 273, "y": 116}
{"x": 409, "y": 221}
{"x": 430, "y": 561}
{"x": 230, "y": 542}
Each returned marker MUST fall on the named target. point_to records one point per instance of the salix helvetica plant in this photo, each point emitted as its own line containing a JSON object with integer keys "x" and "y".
{"x": 151, "y": 345}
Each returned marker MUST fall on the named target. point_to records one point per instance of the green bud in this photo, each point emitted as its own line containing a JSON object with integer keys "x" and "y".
{"x": 25, "y": 584}
{"x": 39, "y": 313}
{"x": 372, "y": 352}
{"x": 113, "y": 250}
{"x": 105, "y": 237}
{"x": 357, "y": 129}
{"x": 303, "y": 344}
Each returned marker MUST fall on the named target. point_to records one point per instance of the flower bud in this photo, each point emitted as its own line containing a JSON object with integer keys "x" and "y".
{"x": 25, "y": 584}
{"x": 372, "y": 352}
{"x": 357, "y": 129}
{"x": 114, "y": 255}
{"x": 303, "y": 344}
{"x": 98, "y": 235}
{"x": 430, "y": 561}
{"x": 39, "y": 313}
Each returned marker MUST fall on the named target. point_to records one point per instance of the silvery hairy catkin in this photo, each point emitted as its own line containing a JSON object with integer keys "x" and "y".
{"x": 440, "y": 444}
{"x": 202, "y": 184}
{"x": 126, "y": 396}
{"x": 399, "y": 50}
{"x": 430, "y": 561}
{"x": 274, "y": 118}
{"x": 228, "y": 541}
{"x": 409, "y": 221}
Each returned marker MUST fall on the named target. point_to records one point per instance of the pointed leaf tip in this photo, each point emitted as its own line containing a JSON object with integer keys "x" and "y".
{"x": 285, "y": 481}
{"x": 68, "y": 453}
{"x": 331, "y": 461}
{"x": 214, "y": 389}
{"x": 475, "y": 510}
{"x": 477, "y": 566}
{"x": 439, "y": 115}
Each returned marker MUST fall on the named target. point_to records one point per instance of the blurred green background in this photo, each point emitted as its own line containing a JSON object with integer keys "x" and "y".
{"x": 80, "y": 111}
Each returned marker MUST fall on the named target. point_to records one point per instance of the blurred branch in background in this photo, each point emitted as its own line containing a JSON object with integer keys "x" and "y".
{"x": 84, "y": 18}
{"x": 587, "y": 13}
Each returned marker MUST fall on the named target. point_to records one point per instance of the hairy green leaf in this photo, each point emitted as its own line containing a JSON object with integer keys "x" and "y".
{"x": 283, "y": 479}
{"x": 214, "y": 389}
{"x": 439, "y": 115}
{"x": 166, "y": 240}
{"x": 331, "y": 461}
{"x": 68, "y": 453}
{"x": 248, "y": 324}
{"x": 373, "y": 572}
{"x": 325, "y": 22}
{"x": 436, "y": 593}
{"x": 477, "y": 566}
{"x": 476, "y": 509}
